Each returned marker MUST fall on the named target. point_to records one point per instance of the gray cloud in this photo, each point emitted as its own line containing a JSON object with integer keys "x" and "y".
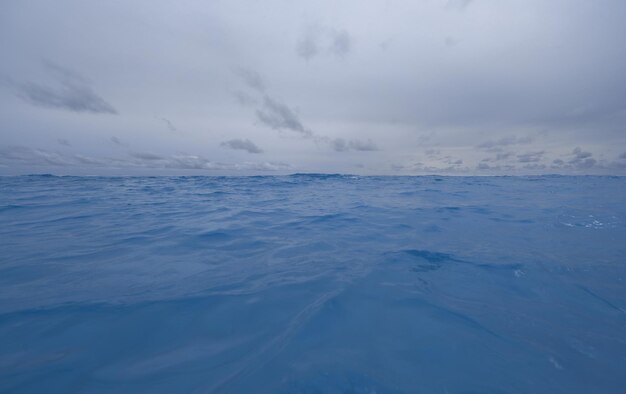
{"x": 317, "y": 41}
{"x": 485, "y": 166}
{"x": 578, "y": 160}
{"x": 63, "y": 141}
{"x": 170, "y": 126}
{"x": 581, "y": 159}
{"x": 307, "y": 47}
{"x": 241, "y": 144}
{"x": 341, "y": 43}
{"x": 363, "y": 146}
{"x": 273, "y": 112}
{"x": 279, "y": 116}
{"x": 30, "y": 157}
{"x": 579, "y": 154}
{"x": 342, "y": 145}
{"x": 147, "y": 156}
{"x": 530, "y": 157}
{"x": 72, "y": 92}
{"x": 116, "y": 141}
{"x": 622, "y": 156}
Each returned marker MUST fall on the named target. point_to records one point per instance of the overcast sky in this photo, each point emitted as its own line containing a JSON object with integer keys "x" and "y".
{"x": 283, "y": 86}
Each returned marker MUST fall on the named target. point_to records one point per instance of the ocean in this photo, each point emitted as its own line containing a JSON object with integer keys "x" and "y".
{"x": 313, "y": 284}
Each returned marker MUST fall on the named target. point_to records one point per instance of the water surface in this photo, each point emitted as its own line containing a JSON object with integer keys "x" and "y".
{"x": 313, "y": 283}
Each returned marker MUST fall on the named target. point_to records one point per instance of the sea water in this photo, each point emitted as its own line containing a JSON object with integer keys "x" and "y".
{"x": 313, "y": 284}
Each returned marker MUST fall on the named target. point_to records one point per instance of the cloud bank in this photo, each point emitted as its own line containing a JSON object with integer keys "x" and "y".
{"x": 242, "y": 144}
{"x": 369, "y": 87}
{"x": 69, "y": 91}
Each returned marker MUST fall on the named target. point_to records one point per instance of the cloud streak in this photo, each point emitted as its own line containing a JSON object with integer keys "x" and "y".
{"x": 342, "y": 145}
{"x": 279, "y": 116}
{"x": 70, "y": 91}
{"x": 242, "y": 144}
{"x": 30, "y": 157}
{"x": 324, "y": 41}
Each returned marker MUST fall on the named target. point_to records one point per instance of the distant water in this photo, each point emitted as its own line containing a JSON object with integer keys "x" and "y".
{"x": 313, "y": 284}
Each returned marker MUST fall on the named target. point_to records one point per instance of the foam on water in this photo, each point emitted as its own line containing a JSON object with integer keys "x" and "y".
{"x": 313, "y": 283}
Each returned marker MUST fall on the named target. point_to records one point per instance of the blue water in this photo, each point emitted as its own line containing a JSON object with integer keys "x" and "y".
{"x": 313, "y": 284}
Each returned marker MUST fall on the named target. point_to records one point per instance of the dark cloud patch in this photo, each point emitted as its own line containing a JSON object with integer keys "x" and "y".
{"x": 116, "y": 141}
{"x": 89, "y": 161}
{"x": 279, "y": 116}
{"x": 499, "y": 157}
{"x": 622, "y": 156}
{"x": 70, "y": 91}
{"x": 147, "y": 156}
{"x": 342, "y": 145}
{"x": 484, "y": 166}
{"x": 307, "y": 47}
{"x": 581, "y": 159}
{"x": 272, "y": 112}
{"x": 578, "y": 159}
{"x": 170, "y": 126}
{"x": 363, "y": 146}
{"x": 241, "y": 144}
{"x": 341, "y": 43}
{"x": 530, "y": 157}
{"x": 579, "y": 154}
{"x": 64, "y": 142}
{"x": 324, "y": 41}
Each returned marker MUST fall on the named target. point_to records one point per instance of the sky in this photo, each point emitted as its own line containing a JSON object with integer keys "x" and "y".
{"x": 458, "y": 87}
